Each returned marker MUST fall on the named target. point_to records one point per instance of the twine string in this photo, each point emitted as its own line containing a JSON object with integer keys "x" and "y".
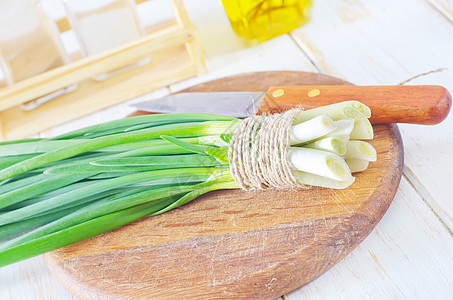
{"x": 258, "y": 152}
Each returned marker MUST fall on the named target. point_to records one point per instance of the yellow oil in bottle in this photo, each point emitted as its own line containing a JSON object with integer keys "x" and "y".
{"x": 260, "y": 20}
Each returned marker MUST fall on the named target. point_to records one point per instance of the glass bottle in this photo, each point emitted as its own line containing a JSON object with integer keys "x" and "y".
{"x": 259, "y": 20}
{"x": 30, "y": 45}
{"x": 104, "y": 24}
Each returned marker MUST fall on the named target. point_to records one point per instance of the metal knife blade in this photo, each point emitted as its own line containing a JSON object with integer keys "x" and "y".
{"x": 234, "y": 104}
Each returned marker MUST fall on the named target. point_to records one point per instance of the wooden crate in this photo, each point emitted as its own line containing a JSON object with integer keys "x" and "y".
{"x": 175, "y": 56}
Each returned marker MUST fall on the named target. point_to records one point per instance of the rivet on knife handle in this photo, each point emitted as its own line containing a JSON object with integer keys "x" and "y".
{"x": 422, "y": 104}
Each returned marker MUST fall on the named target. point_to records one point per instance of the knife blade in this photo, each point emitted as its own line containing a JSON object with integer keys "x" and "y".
{"x": 422, "y": 104}
{"x": 234, "y": 104}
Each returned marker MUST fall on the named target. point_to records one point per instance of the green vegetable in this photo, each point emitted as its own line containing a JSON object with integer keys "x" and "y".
{"x": 58, "y": 191}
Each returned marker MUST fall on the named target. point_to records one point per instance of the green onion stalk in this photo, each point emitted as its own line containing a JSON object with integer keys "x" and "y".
{"x": 58, "y": 191}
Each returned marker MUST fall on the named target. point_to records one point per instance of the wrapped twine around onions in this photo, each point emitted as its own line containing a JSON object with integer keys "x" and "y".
{"x": 258, "y": 152}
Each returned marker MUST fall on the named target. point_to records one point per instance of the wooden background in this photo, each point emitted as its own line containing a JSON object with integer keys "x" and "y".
{"x": 409, "y": 255}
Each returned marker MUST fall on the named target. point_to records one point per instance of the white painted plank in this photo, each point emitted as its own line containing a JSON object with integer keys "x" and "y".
{"x": 409, "y": 255}
{"x": 370, "y": 42}
{"x": 30, "y": 279}
{"x": 429, "y": 165}
{"x": 388, "y": 42}
{"x": 445, "y": 7}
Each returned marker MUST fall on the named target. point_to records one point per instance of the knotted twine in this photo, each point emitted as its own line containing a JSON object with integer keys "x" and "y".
{"x": 258, "y": 152}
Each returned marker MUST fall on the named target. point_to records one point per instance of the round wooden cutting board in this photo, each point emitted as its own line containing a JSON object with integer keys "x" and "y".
{"x": 236, "y": 244}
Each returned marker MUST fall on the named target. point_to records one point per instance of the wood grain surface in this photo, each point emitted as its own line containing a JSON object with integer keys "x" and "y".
{"x": 235, "y": 244}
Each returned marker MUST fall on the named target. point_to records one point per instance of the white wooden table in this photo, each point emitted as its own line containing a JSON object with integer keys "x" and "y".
{"x": 410, "y": 253}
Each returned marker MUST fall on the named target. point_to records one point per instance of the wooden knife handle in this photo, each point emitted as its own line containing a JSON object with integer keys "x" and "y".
{"x": 422, "y": 104}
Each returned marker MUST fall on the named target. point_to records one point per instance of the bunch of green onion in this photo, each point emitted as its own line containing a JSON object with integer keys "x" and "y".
{"x": 61, "y": 190}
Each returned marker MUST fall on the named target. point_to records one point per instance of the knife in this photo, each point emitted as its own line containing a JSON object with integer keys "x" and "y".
{"x": 418, "y": 104}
